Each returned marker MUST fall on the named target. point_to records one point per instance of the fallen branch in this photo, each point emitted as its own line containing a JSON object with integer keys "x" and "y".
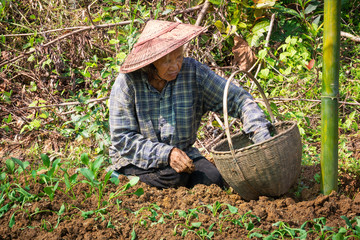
{"x": 68, "y": 103}
{"x": 350, "y": 36}
{"x": 65, "y": 36}
{"x": 187, "y": 10}
{"x": 202, "y": 13}
{"x": 308, "y": 100}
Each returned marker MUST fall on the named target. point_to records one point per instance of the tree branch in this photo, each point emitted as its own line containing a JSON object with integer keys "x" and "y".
{"x": 348, "y": 35}
{"x": 308, "y": 100}
{"x": 65, "y": 36}
{"x": 187, "y": 10}
{"x": 202, "y": 13}
{"x": 68, "y": 103}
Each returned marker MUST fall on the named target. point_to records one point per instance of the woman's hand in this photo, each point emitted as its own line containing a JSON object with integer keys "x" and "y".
{"x": 180, "y": 162}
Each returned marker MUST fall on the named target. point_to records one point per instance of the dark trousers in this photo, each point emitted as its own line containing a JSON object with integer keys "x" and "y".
{"x": 205, "y": 173}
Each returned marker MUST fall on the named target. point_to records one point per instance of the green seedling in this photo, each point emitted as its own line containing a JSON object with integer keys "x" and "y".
{"x": 50, "y": 177}
{"x": 95, "y": 183}
{"x": 70, "y": 182}
{"x": 120, "y": 191}
{"x": 50, "y": 191}
{"x": 22, "y": 167}
{"x": 187, "y": 215}
{"x": 214, "y": 208}
{"x": 233, "y": 211}
{"x": 353, "y": 225}
{"x": 318, "y": 226}
{"x": 246, "y": 221}
{"x": 284, "y": 231}
{"x": 20, "y": 195}
{"x": 4, "y": 208}
{"x": 154, "y": 217}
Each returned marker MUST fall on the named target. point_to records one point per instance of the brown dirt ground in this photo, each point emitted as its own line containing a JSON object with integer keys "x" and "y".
{"x": 293, "y": 208}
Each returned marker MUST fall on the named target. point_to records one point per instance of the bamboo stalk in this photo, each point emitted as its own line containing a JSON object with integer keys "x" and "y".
{"x": 329, "y": 98}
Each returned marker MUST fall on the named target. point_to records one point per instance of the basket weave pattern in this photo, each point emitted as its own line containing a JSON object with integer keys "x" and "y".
{"x": 269, "y": 168}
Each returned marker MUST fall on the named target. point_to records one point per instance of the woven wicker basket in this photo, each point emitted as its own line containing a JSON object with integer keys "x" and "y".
{"x": 268, "y": 168}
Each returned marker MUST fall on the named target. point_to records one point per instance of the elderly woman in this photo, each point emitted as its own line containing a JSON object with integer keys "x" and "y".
{"x": 156, "y": 105}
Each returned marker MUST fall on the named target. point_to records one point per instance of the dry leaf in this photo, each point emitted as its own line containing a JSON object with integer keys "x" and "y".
{"x": 244, "y": 57}
{"x": 311, "y": 64}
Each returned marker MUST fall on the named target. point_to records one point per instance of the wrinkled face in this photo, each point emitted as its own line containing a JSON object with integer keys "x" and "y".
{"x": 168, "y": 67}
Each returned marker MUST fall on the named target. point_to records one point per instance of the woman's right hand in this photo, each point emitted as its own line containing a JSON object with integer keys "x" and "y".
{"x": 180, "y": 162}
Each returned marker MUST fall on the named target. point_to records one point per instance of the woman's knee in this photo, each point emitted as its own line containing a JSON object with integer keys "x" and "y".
{"x": 165, "y": 178}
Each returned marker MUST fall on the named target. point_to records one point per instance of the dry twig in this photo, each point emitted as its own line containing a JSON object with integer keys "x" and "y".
{"x": 87, "y": 28}
{"x": 68, "y": 103}
{"x": 350, "y": 36}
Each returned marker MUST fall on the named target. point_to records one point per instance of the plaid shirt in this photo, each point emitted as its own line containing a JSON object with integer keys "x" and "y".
{"x": 146, "y": 124}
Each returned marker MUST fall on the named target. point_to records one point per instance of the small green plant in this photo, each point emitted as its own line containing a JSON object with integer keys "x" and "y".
{"x": 21, "y": 169}
{"x": 94, "y": 183}
{"x": 121, "y": 190}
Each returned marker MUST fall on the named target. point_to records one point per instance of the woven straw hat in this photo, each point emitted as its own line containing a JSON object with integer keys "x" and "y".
{"x": 158, "y": 39}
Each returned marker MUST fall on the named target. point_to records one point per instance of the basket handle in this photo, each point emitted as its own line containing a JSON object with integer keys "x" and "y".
{"x": 225, "y": 111}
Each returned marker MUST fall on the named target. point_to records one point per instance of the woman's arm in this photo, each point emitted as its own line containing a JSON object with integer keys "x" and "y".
{"x": 240, "y": 105}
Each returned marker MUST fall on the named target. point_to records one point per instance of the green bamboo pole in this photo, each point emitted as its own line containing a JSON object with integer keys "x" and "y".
{"x": 329, "y": 98}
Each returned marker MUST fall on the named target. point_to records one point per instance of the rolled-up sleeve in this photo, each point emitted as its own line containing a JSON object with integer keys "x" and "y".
{"x": 133, "y": 147}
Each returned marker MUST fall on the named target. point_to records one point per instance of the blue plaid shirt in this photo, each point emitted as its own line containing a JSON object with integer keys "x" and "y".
{"x": 146, "y": 124}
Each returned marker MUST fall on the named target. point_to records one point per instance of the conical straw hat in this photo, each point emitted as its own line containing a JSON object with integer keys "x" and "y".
{"x": 158, "y": 39}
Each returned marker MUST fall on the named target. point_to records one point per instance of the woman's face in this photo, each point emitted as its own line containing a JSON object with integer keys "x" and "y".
{"x": 168, "y": 67}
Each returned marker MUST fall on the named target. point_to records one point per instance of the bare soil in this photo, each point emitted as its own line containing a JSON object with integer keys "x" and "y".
{"x": 122, "y": 216}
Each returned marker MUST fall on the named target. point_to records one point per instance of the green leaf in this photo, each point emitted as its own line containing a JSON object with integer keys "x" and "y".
{"x": 23, "y": 165}
{"x": 114, "y": 41}
{"x": 44, "y": 115}
{"x": 45, "y": 159}
{"x": 96, "y": 164}
{"x": 265, "y": 72}
{"x": 12, "y": 220}
{"x": 196, "y": 224}
{"x": 2, "y": 176}
{"x": 262, "y": 53}
{"x": 115, "y": 180}
{"x": 36, "y": 123}
{"x": 215, "y": 2}
{"x": 220, "y": 26}
{"x": 182, "y": 213}
{"x": 310, "y": 8}
{"x": 8, "y": 119}
{"x": 133, "y": 234}
{"x": 242, "y": 25}
{"x": 85, "y": 159}
{"x": 261, "y": 27}
{"x": 139, "y": 192}
{"x": 4, "y": 209}
{"x": 134, "y": 180}
{"x": 61, "y": 210}
{"x": 87, "y": 214}
{"x": 88, "y": 174}
{"x": 232, "y": 209}
{"x": 56, "y": 162}
{"x": 10, "y": 165}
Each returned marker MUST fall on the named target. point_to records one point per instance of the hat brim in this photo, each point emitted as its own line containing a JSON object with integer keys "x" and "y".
{"x": 152, "y": 48}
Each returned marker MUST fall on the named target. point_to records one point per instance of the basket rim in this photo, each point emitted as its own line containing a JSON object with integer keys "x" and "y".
{"x": 292, "y": 123}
